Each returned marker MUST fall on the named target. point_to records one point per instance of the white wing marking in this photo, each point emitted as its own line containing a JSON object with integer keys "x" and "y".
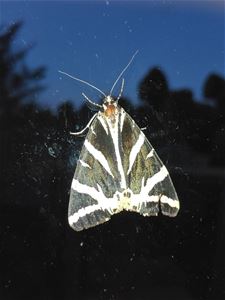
{"x": 84, "y": 164}
{"x": 123, "y": 114}
{"x": 98, "y": 155}
{"x": 114, "y": 130}
{"x": 97, "y": 194}
{"x": 151, "y": 154}
{"x": 102, "y": 121}
{"x": 143, "y": 196}
{"x": 135, "y": 150}
{"x": 170, "y": 202}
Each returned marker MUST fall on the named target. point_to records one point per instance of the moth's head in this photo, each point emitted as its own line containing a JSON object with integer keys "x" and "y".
{"x": 109, "y": 106}
{"x": 109, "y": 100}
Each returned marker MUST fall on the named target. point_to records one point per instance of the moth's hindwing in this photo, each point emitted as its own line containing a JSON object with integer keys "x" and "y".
{"x": 118, "y": 169}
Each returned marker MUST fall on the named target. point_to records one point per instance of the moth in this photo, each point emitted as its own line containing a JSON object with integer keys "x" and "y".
{"x": 118, "y": 169}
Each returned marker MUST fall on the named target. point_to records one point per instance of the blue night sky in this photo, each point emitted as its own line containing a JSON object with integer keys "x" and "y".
{"x": 94, "y": 40}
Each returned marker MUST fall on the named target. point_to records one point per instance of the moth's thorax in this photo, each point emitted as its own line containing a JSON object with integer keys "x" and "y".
{"x": 110, "y": 109}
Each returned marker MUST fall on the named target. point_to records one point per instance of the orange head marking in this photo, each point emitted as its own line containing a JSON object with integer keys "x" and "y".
{"x": 110, "y": 107}
{"x": 110, "y": 110}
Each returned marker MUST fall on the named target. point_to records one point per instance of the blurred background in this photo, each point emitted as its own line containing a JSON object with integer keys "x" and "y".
{"x": 175, "y": 87}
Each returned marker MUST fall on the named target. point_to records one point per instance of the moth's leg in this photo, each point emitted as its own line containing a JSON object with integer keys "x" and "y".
{"x": 83, "y": 130}
{"x": 91, "y": 102}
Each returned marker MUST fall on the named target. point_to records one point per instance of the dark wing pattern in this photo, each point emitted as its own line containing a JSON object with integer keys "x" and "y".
{"x": 96, "y": 180}
{"x": 147, "y": 177}
{"x": 118, "y": 169}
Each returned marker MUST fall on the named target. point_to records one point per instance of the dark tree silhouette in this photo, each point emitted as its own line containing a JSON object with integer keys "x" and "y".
{"x": 214, "y": 90}
{"x": 19, "y": 84}
{"x": 153, "y": 89}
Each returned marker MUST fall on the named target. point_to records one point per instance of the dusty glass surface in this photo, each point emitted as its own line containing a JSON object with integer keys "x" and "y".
{"x": 175, "y": 88}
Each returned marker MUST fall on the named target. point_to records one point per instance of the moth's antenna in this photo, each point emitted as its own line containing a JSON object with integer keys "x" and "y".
{"x": 123, "y": 72}
{"x": 91, "y": 102}
{"x": 83, "y": 81}
{"x": 121, "y": 90}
